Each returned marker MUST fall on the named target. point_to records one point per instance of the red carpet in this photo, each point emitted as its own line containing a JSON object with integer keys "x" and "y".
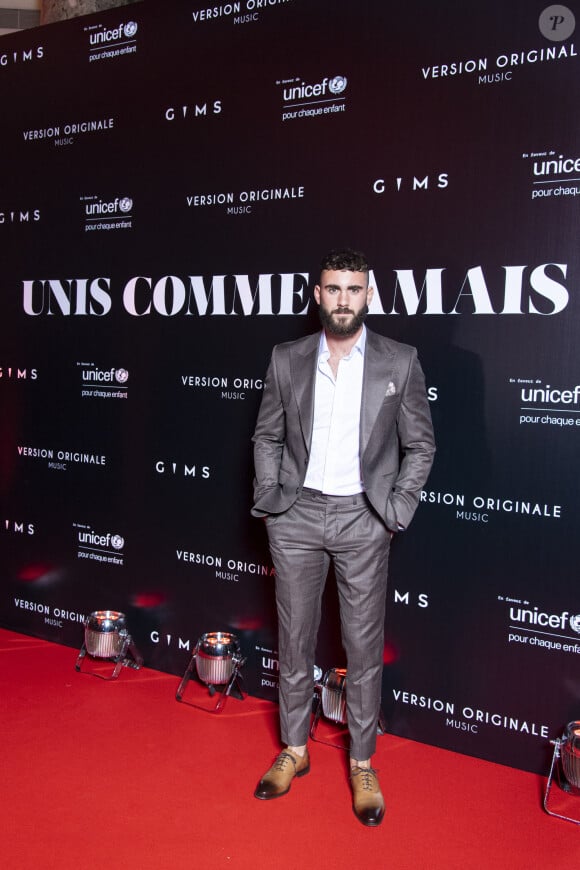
{"x": 99, "y": 774}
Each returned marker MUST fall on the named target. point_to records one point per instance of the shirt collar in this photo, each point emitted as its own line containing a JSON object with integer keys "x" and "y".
{"x": 324, "y": 353}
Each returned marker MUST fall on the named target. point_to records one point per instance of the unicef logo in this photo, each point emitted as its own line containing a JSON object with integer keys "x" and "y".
{"x": 126, "y": 204}
{"x": 121, "y": 376}
{"x": 337, "y": 85}
{"x": 575, "y": 623}
{"x": 117, "y": 542}
{"x": 130, "y": 29}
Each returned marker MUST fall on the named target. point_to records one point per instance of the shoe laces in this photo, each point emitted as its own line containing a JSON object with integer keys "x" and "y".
{"x": 282, "y": 761}
{"x": 368, "y": 776}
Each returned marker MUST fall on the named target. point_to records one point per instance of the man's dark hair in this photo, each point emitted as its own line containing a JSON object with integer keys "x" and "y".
{"x": 352, "y": 261}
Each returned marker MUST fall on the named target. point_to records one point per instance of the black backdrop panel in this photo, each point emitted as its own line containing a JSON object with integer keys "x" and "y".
{"x": 173, "y": 174}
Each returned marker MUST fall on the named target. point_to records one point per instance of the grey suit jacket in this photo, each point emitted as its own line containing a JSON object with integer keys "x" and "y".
{"x": 396, "y": 434}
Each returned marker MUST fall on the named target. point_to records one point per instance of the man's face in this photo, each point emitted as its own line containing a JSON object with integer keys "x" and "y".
{"x": 343, "y": 299}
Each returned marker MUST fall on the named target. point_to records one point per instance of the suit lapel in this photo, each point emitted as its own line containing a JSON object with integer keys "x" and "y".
{"x": 303, "y": 374}
{"x": 379, "y": 369}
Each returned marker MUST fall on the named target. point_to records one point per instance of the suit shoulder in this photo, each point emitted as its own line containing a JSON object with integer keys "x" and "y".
{"x": 297, "y": 345}
{"x": 390, "y": 345}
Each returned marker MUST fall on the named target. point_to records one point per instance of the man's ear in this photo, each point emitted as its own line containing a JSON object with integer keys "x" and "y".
{"x": 317, "y": 294}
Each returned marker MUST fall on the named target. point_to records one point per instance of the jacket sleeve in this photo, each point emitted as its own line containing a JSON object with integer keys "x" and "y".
{"x": 269, "y": 436}
{"x": 417, "y": 444}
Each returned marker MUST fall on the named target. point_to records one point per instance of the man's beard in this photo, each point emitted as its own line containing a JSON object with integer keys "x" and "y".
{"x": 346, "y": 329}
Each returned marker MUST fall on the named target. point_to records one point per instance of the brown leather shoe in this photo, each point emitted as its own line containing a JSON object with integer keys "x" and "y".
{"x": 368, "y": 802}
{"x": 276, "y": 782}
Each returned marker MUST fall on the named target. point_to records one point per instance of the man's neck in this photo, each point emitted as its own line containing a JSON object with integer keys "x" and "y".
{"x": 341, "y": 345}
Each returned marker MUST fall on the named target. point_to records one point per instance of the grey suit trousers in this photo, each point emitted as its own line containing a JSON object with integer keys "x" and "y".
{"x": 303, "y": 540}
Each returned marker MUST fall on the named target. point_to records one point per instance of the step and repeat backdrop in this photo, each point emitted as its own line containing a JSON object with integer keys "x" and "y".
{"x": 172, "y": 174}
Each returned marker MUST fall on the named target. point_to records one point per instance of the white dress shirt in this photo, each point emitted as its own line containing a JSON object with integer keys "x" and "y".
{"x": 334, "y": 463}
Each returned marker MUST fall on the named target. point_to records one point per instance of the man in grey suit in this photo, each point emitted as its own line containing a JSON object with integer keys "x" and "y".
{"x": 342, "y": 447}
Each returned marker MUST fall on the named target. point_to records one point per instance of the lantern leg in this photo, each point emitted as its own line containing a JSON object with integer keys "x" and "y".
{"x": 123, "y": 661}
{"x": 317, "y": 714}
{"x": 82, "y": 654}
{"x": 339, "y": 726}
{"x": 136, "y": 661}
{"x": 228, "y": 690}
{"x": 563, "y": 783}
{"x": 186, "y": 677}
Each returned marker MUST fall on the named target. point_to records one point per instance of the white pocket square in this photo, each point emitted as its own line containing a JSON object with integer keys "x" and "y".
{"x": 391, "y": 389}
